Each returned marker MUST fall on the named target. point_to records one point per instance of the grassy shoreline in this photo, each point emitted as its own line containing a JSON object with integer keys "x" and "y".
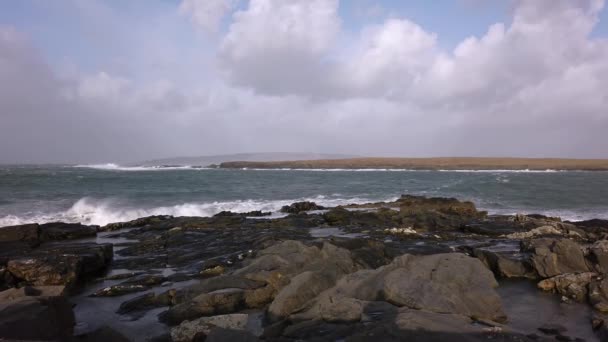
{"x": 452, "y": 163}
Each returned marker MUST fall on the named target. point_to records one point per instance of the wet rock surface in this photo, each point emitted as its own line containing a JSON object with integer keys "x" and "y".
{"x": 414, "y": 269}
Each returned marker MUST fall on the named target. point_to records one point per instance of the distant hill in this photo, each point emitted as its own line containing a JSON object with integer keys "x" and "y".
{"x": 246, "y": 157}
{"x": 455, "y": 163}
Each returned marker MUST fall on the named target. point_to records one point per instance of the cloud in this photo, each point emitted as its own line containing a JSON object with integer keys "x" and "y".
{"x": 278, "y": 47}
{"x": 207, "y": 14}
{"x": 289, "y": 76}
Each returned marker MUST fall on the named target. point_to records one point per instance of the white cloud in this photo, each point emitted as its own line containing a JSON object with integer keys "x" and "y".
{"x": 207, "y": 14}
{"x": 294, "y": 79}
{"x": 277, "y": 47}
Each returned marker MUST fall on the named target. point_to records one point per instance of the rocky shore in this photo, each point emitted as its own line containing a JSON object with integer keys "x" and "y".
{"x": 417, "y": 269}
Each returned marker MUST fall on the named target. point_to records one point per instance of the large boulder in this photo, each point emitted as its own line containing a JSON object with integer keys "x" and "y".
{"x": 443, "y": 283}
{"x": 35, "y": 314}
{"x": 551, "y": 257}
{"x": 24, "y": 233}
{"x": 61, "y": 265}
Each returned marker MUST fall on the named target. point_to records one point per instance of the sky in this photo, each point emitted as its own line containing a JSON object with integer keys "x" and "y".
{"x": 120, "y": 81}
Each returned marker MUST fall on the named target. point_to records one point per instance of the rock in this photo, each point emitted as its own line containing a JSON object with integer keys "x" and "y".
{"x": 36, "y": 318}
{"x": 598, "y": 294}
{"x": 146, "y": 280}
{"x": 300, "y": 207}
{"x": 540, "y": 231}
{"x": 599, "y": 254}
{"x": 213, "y": 271}
{"x": 552, "y": 329}
{"x": 118, "y": 290}
{"x": 66, "y": 231}
{"x": 26, "y": 233}
{"x": 445, "y": 283}
{"x": 221, "y": 335}
{"x": 220, "y": 302}
{"x": 140, "y": 222}
{"x": 255, "y": 213}
{"x": 302, "y": 288}
{"x": 571, "y": 285}
{"x": 61, "y": 265}
{"x": 147, "y": 301}
{"x": 47, "y": 270}
{"x": 553, "y": 257}
{"x": 505, "y": 265}
{"x": 186, "y": 331}
{"x": 29, "y": 291}
{"x": 432, "y": 322}
{"x": 408, "y": 231}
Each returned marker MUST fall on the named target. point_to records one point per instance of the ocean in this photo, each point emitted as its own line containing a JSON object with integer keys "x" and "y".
{"x": 101, "y": 194}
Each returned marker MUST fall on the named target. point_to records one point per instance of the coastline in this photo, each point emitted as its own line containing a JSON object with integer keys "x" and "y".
{"x": 316, "y": 271}
{"x": 431, "y": 164}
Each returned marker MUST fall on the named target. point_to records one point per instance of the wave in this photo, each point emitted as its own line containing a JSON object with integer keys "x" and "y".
{"x": 116, "y": 167}
{"x": 104, "y": 211}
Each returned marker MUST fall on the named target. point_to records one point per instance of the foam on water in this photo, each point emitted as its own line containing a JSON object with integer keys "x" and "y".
{"x": 116, "y": 167}
{"x": 104, "y": 211}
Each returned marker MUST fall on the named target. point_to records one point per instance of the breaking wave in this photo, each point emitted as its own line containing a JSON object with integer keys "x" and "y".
{"x": 103, "y": 211}
{"x": 116, "y": 167}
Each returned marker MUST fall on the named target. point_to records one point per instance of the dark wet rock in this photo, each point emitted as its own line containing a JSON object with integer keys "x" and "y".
{"x": 300, "y": 207}
{"x": 61, "y": 265}
{"x": 140, "y": 222}
{"x": 33, "y": 317}
{"x": 255, "y": 213}
{"x": 7, "y": 280}
{"x": 505, "y": 265}
{"x": 66, "y": 231}
{"x": 30, "y": 291}
{"x": 367, "y": 253}
{"x": 573, "y": 286}
{"x": 551, "y": 257}
{"x": 147, "y": 280}
{"x": 146, "y": 302}
{"x": 25, "y": 233}
{"x": 552, "y": 329}
{"x": 118, "y": 290}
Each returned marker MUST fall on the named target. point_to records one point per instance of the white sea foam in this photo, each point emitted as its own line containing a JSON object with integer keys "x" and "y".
{"x": 116, "y": 167}
{"x": 104, "y": 211}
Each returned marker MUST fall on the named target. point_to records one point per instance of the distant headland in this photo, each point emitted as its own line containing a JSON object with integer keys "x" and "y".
{"x": 442, "y": 163}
